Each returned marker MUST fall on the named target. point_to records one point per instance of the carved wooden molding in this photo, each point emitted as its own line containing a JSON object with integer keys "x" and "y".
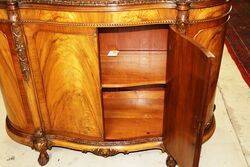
{"x": 98, "y": 2}
{"x": 106, "y": 143}
{"x": 99, "y": 24}
{"x": 182, "y": 20}
{"x": 17, "y": 33}
{"x": 40, "y": 141}
{"x": 105, "y": 152}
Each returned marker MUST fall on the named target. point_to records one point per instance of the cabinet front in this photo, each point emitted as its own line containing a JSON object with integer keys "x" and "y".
{"x": 65, "y": 67}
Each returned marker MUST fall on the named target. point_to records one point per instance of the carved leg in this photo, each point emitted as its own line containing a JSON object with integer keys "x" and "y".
{"x": 43, "y": 158}
{"x": 41, "y": 144}
{"x": 171, "y": 162}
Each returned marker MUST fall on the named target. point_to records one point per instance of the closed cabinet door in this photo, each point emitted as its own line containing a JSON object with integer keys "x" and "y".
{"x": 188, "y": 71}
{"x": 65, "y": 68}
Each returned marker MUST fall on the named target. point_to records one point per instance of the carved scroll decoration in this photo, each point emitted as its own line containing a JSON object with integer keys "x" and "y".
{"x": 182, "y": 20}
{"x": 17, "y": 33}
{"x": 105, "y": 152}
{"x": 105, "y": 148}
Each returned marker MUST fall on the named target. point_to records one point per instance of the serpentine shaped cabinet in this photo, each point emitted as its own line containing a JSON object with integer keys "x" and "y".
{"x": 112, "y": 76}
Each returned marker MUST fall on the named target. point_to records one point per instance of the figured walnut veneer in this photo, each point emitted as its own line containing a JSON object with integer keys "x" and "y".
{"x": 61, "y": 88}
{"x": 69, "y": 71}
{"x": 3, "y": 14}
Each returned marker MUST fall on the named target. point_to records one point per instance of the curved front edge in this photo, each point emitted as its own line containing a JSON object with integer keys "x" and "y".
{"x": 104, "y": 149}
{"x": 210, "y": 34}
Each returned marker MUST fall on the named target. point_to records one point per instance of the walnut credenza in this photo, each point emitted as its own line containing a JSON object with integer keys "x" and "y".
{"x": 112, "y": 77}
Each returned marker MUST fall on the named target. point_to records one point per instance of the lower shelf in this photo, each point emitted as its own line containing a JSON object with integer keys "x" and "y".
{"x": 133, "y": 114}
{"x": 128, "y": 129}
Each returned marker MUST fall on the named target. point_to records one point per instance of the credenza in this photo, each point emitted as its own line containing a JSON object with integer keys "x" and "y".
{"x": 112, "y": 76}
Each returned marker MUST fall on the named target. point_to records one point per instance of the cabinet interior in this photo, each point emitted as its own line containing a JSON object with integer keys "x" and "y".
{"x": 133, "y": 80}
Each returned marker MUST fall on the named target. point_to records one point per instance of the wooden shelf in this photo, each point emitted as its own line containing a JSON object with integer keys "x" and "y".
{"x": 133, "y": 68}
{"x": 133, "y": 114}
{"x": 130, "y": 87}
{"x": 149, "y": 37}
{"x": 133, "y": 81}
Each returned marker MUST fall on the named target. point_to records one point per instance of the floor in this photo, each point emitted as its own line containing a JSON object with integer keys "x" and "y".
{"x": 229, "y": 146}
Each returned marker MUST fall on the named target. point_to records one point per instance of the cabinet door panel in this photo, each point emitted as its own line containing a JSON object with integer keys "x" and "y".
{"x": 69, "y": 69}
{"x": 188, "y": 71}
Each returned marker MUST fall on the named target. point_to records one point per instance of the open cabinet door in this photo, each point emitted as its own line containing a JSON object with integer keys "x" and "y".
{"x": 188, "y": 73}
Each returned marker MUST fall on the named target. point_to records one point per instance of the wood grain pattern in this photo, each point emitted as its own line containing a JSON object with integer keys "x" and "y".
{"x": 95, "y": 3}
{"x": 189, "y": 71}
{"x": 99, "y": 4}
{"x": 118, "y": 17}
{"x": 64, "y": 96}
{"x": 68, "y": 65}
{"x": 89, "y": 146}
{"x": 134, "y": 68}
{"x": 103, "y": 148}
{"x": 212, "y": 39}
{"x": 122, "y": 17}
{"x": 133, "y": 114}
{"x": 138, "y": 38}
{"x": 9, "y": 87}
{"x": 209, "y": 13}
{"x": 142, "y": 55}
{"x": 3, "y": 14}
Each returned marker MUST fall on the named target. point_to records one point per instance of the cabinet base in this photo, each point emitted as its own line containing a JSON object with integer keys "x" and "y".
{"x": 100, "y": 148}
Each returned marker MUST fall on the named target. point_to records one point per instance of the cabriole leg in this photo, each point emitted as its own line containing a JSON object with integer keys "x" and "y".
{"x": 41, "y": 144}
{"x": 171, "y": 162}
{"x": 43, "y": 158}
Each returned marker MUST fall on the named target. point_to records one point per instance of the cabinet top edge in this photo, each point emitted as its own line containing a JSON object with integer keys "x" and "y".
{"x": 114, "y": 3}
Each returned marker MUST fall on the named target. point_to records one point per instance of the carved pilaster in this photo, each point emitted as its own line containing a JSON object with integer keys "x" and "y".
{"x": 182, "y": 19}
{"x": 41, "y": 144}
{"x": 17, "y": 33}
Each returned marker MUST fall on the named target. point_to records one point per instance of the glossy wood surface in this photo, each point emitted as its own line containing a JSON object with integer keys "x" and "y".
{"x": 110, "y": 3}
{"x": 118, "y": 3}
{"x": 9, "y": 86}
{"x": 209, "y": 13}
{"x": 188, "y": 71}
{"x": 133, "y": 114}
{"x": 141, "y": 15}
{"x": 138, "y": 38}
{"x": 133, "y": 68}
{"x": 3, "y": 14}
{"x": 212, "y": 38}
{"x": 141, "y": 59}
{"x": 67, "y": 63}
{"x": 96, "y": 18}
{"x": 78, "y": 97}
